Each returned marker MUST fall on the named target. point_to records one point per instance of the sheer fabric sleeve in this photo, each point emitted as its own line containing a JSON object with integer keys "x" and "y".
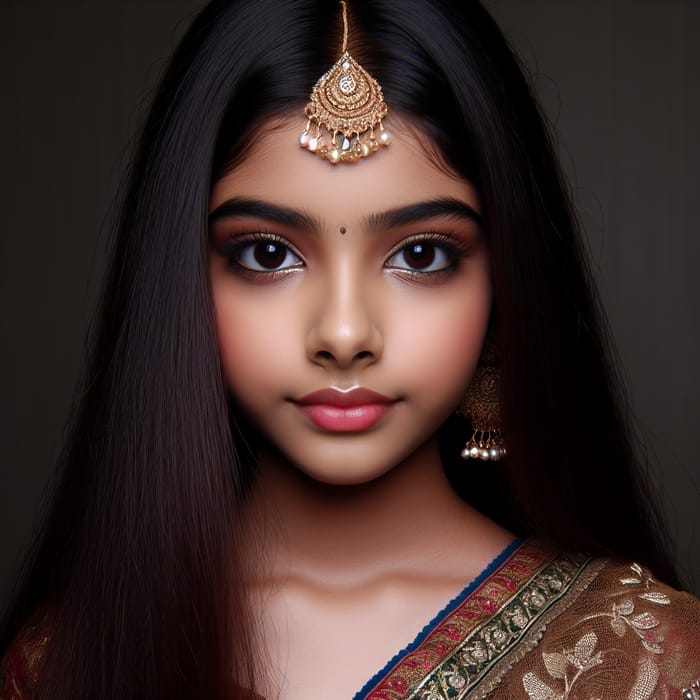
{"x": 627, "y": 636}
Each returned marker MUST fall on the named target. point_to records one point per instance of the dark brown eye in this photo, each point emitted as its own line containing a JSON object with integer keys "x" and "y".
{"x": 269, "y": 254}
{"x": 422, "y": 256}
{"x": 419, "y": 255}
{"x": 266, "y": 256}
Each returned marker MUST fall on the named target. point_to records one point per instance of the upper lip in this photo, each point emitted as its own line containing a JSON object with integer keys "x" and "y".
{"x": 335, "y": 397}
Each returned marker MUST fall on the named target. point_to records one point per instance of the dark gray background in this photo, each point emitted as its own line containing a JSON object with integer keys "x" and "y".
{"x": 618, "y": 79}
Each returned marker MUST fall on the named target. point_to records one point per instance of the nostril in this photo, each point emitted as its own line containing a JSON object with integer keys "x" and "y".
{"x": 324, "y": 355}
{"x": 362, "y": 355}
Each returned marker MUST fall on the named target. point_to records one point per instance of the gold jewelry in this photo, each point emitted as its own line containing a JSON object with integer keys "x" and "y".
{"x": 347, "y": 106}
{"x": 482, "y": 405}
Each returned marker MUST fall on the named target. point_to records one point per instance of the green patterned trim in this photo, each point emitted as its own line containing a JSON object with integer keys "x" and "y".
{"x": 478, "y": 664}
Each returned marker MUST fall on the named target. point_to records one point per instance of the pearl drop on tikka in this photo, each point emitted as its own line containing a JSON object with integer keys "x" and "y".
{"x": 346, "y": 105}
{"x": 344, "y": 148}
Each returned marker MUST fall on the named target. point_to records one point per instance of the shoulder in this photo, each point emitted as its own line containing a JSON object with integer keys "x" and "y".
{"x": 628, "y": 598}
{"x": 20, "y": 668}
{"x": 622, "y": 634}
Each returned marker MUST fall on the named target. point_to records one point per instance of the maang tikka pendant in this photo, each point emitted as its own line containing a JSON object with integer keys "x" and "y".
{"x": 346, "y": 111}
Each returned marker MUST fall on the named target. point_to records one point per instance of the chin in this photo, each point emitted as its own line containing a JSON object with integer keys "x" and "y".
{"x": 349, "y": 460}
{"x": 344, "y": 476}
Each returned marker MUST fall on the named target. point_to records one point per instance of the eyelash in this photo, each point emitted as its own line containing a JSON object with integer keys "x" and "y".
{"x": 451, "y": 248}
{"x": 238, "y": 244}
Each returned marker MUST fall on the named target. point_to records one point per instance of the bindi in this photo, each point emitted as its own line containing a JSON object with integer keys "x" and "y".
{"x": 342, "y": 230}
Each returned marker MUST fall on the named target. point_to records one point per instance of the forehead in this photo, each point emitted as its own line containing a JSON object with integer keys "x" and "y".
{"x": 277, "y": 169}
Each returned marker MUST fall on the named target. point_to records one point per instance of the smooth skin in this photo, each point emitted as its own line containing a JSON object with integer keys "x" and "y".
{"x": 362, "y": 538}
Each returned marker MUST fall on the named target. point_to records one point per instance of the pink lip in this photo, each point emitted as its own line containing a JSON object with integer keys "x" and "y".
{"x": 352, "y": 411}
{"x": 334, "y": 397}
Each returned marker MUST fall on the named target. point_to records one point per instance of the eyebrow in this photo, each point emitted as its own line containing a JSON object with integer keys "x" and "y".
{"x": 449, "y": 207}
{"x": 435, "y": 208}
{"x": 238, "y": 208}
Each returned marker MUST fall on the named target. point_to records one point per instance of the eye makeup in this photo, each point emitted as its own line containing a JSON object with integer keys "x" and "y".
{"x": 426, "y": 241}
{"x": 260, "y": 255}
{"x": 428, "y": 257}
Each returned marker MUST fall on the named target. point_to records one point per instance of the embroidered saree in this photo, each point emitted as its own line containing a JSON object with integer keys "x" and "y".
{"x": 535, "y": 625}
{"x": 540, "y": 625}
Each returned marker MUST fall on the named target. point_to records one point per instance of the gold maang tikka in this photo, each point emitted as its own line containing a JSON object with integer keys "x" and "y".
{"x": 346, "y": 111}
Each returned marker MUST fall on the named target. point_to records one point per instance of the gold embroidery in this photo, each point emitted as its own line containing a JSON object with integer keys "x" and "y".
{"x": 692, "y": 692}
{"x": 647, "y": 581}
{"x": 645, "y": 683}
{"x": 479, "y": 662}
{"x": 415, "y": 671}
{"x": 643, "y": 624}
{"x": 19, "y": 670}
{"x": 521, "y": 644}
{"x": 568, "y": 666}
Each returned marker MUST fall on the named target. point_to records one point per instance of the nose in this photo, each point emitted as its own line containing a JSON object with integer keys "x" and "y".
{"x": 343, "y": 333}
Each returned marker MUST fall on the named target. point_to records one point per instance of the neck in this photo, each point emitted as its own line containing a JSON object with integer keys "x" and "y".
{"x": 408, "y": 521}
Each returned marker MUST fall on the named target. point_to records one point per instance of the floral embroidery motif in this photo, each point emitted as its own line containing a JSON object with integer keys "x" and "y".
{"x": 644, "y": 579}
{"x": 643, "y": 624}
{"x": 476, "y": 655}
{"x": 434, "y": 670}
{"x": 569, "y": 665}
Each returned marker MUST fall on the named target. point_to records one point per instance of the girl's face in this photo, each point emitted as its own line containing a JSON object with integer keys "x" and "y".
{"x": 367, "y": 282}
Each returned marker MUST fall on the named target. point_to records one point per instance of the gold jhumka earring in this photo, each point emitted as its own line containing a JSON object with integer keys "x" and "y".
{"x": 344, "y": 116}
{"x": 482, "y": 405}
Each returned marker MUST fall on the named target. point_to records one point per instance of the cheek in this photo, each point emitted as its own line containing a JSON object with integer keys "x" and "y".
{"x": 250, "y": 332}
{"x": 439, "y": 344}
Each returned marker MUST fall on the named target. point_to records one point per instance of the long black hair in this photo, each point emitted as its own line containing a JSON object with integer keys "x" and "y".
{"x": 137, "y": 569}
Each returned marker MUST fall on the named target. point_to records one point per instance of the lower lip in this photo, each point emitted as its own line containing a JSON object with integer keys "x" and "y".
{"x": 345, "y": 419}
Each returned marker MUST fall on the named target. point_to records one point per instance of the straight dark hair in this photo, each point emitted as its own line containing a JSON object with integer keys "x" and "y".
{"x": 137, "y": 569}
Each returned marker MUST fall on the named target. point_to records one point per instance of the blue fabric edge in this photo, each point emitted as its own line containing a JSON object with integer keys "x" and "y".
{"x": 495, "y": 564}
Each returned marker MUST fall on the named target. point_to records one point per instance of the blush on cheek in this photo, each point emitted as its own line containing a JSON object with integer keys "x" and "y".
{"x": 459, "y": 353}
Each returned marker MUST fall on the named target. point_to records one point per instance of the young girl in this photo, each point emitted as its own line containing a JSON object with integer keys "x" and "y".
{"x": 341, "y": 398}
